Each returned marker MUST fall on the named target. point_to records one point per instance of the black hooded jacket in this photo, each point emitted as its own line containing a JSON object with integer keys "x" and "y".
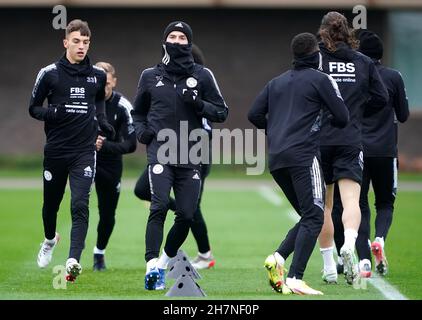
{"x": 379, "y": 131}
{"x": 159, "y": 105}
{"x": 290, "y": 109}
{"x": 360, "y": 85}
{"x": 78, "y": 92}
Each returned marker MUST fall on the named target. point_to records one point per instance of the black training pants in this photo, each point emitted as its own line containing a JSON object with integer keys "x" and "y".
{"x": 198, "y": 227}
{"x": 305, "y": 189}
{"x": 107, "y": 185}
{"x": 80, "y": 168}
{"x": 186, "y": 184}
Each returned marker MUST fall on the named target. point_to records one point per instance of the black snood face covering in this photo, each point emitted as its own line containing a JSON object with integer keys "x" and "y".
{"x": 177, "y": 58}
{"x": 313, "y": 60}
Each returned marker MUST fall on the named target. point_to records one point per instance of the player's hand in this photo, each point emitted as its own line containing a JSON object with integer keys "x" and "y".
{"x": 146, "y": 136}
{"x": 106, "y": 127}
{"x": 191, "y": 98}
{"x": 100, "y": 142}
{"x": 55, "y": 113}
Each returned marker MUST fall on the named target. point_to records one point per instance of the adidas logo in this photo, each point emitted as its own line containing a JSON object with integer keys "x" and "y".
{"x": 196, "y": 177}
{"x": 159, "y": 84}
{"x": 180, "y": 25}
{"x": 88, "y": 172}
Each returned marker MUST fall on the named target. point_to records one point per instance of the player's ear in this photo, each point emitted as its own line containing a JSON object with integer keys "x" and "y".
{"x": 65, "y": 43}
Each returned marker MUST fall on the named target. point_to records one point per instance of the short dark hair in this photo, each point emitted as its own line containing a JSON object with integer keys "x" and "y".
{"x": 78, "y": 25}
{"x": 304, "y": 44}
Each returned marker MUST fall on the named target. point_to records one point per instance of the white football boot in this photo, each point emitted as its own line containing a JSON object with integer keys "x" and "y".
{"x": 46, "y": 251}
{"x": 73, "y": 269}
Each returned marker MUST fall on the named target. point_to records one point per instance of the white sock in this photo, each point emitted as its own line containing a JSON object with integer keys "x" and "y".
{"x": 350, "y": 236}
{"x": 340, "y": 260}
{"x": 163, "y": 260}
{"x": 363, "y": 262}
{"x": 151, "y": 264}
{"x": 98, "y": 251}
{"x": 50, "y": 242}
{"x": 279, "y": 258}
{"x": 328, "y": 257}
{"x": 380, "y": 240}
{"x": 71, "y": 260}
{"x": 291, "y": 281}
{"x": 205, "y": 255}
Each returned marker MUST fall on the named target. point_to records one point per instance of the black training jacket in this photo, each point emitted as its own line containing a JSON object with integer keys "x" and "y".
{"x": 159, "y": 105}
{"x": 118, "y": 110}
{"x": 359, "y": 83}
{"x": 290, "y": 109}
{"x": 379, "y": 130}
{"x": 80, "y": 89}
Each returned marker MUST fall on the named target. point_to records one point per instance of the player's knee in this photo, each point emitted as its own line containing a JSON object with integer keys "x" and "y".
{"x": 108, "y": 219}
{"x": 319, "y": 220}
{"x": 159, "y": 206}
{"x": 384, "y": 205}
{"x": 157, "y": 213}
{"x": 79, "y": 208}
{"x": 185, "y": 216}
{"x": 142, "y": 193}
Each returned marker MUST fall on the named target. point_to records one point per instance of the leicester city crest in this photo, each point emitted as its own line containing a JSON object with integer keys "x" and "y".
{"x": 191, "y": 82}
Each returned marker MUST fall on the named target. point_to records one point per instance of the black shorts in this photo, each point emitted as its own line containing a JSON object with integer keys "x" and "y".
{"x": 341, "y": 162}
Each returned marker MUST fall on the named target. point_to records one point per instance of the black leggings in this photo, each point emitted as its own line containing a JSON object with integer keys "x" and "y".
{"x": 107, "y": 185}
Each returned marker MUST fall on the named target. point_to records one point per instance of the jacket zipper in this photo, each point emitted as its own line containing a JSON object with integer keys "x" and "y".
{"x": 175, "y": 116}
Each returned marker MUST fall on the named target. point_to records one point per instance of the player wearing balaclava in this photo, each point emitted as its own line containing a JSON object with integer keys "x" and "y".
{"x": 174, "y": 96}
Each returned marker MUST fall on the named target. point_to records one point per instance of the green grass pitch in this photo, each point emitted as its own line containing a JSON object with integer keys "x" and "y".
{"x": 243, "y": 227}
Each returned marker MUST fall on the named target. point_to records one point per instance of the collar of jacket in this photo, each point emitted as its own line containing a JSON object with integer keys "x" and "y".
{"x": 376, "y": 61}
{"x": 309, "y": 61}
{"x": 84, "y": 68}
{"x": 343, "y": 51}
{"x": 161, "y": 71}
{"x": 114, "y": 98}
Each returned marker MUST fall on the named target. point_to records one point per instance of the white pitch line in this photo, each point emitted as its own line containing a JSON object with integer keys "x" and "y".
{"x": 386, "y": 289}
{"x": 270, "y": 195}
{"x": 293, "y": 215}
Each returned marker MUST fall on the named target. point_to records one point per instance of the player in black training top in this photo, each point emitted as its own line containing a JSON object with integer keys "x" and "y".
{"x": 379, "y": 137}
{"x": 109, "y": 161}
{"x": 341, "y": 149}
{"x": 74, "y": 89}
{"x": 205, "y": 258}
{"x": 173, "y": 96}
{"x": 290, "y": 108}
